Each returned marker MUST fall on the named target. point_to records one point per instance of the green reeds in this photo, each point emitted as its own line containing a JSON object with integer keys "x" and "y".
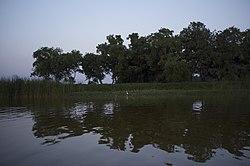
{"x": 34, "y": 88}
{"x": 26, "y": 88}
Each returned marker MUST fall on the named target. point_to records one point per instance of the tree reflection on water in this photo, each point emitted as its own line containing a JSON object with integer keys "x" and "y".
{"x": 129, "y": 125}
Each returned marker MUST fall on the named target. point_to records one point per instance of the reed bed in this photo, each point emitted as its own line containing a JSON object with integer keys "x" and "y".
{"x": 34, "y": 88}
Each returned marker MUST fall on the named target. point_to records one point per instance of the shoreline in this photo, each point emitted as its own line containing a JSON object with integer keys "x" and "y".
{"x": 39, "y": 88}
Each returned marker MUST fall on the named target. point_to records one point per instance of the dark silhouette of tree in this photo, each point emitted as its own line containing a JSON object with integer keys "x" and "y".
{"x": 231, "y": 58}
{"x": 113, "y": 54}
{"x": 47, "y": 63}
{"x": 53, "y": 64}
{"x": 93, "y": 68}
{"x": 71, "y": 65}
{"x": 196, "y": 44}
{"x": 158, "y": 57}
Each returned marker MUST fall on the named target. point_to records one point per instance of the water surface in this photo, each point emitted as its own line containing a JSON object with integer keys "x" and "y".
{"x": 153, "y": 130}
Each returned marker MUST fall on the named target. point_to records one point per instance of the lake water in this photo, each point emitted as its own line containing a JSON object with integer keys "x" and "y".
{"x": 154, "y": 130}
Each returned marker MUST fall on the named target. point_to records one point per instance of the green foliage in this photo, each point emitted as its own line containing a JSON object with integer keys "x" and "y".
{"x": 196, "y": 43}
{"x": 158, "y": 57}
{"x": 113, "y": 54}
{"x": 71, "y": 63}
{"x": 176, "y": 71}
{"x": 47, "y": 62}
{"x": 53, "y": 64}
{"x": 92, "y": 67}
{"x": 232, "y": 60}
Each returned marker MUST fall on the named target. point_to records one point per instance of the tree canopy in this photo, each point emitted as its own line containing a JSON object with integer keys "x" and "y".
{"x": 157, "y": 57}
{"x": 53, "y": 64}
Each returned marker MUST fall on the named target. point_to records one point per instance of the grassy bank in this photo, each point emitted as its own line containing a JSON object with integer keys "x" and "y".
{"x": 169, "y": 86}
{"x": 26, "y": 88}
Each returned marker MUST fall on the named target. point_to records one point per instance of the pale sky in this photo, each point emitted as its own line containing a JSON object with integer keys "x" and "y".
{"x": 27, "y": 25}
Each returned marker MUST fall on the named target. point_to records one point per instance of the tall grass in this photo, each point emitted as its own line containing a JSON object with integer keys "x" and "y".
{"x": 27, "y": 88}
{"x": 31, "y": 88}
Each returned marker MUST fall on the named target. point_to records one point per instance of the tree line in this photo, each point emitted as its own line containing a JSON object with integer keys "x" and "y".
{"x": 195, "y": 53}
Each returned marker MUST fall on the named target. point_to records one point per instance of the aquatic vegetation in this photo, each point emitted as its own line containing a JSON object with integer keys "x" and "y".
{"x": 34, "y": 88}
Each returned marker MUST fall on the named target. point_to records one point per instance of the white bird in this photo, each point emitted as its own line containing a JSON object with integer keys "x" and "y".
{"x": 197, "y": 106}
{"x": 127, "y": 93}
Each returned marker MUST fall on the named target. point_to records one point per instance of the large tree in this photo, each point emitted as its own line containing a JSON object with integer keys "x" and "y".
{"x": 162, "y": 45}
{"x": 233, "y": 59}
{"x": 137, "y": 62}
{"x": 93, "y": 68}
{"x": 245, "y": 47}
{"x": 47, "y": 63}
{"x": 53, "y": 64}
{"x": 196, "y": 45}
{"x": 71, "y": 65}
{"x": 112, "y": 53}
